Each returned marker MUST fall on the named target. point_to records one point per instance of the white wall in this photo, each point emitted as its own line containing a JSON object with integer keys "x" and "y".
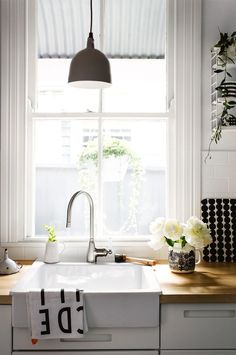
{"x": 219, "y": 173}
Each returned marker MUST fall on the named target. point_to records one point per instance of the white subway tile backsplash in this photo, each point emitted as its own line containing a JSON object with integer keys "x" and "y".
{"x": 232, "y": 157}
{"x": 32, "y": 253}
{"x": 16, "y": 253}
{"x": 232, "y": 184}
{"x": 219, "y": 175}
{"x": 215, "y": 185}
{"x": 217, "y": 158}
{"x": 208, "y": 172}
{"x": 226, "y": 171}
{"x": 75, "y": 253}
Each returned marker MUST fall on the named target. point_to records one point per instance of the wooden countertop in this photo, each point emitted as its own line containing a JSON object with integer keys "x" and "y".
{"x": 210, "y": 283}
{"x": 7, "y": 282}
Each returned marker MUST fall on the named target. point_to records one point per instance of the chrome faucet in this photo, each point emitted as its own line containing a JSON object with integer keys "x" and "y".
{"x": 93, "y": 253}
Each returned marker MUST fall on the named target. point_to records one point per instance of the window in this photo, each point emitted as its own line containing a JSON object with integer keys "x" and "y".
{"x": 45, "y": 155}
{"x": 111, "y": 143}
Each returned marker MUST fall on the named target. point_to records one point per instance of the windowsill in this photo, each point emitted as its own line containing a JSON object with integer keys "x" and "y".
{"x": 118, "y": 240}
{"x": 76, "y": 248}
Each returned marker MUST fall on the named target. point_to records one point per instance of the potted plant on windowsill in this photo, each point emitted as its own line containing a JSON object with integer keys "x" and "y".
{"x": 53, "y": 248}
{"x": 226, "y": 55}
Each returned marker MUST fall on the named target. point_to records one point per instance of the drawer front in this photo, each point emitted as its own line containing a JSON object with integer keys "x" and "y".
{"x": 197, "y": 352}
{"x": 124, "y": 352}
{"x": 198, "y": 326}
{"x": 95, "y": 339}
{"x": 5, "y": 330}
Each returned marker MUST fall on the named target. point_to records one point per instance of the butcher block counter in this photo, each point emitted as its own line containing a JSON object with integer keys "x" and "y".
{"x": 210, "y": 283}
{"x": 7, "y": 282}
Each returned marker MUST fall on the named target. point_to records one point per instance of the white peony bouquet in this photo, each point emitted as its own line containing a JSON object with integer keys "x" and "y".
{"x": 170, "y": 232}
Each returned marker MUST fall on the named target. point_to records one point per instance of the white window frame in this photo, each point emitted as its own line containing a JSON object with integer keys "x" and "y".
{"x": 184, "y": 96}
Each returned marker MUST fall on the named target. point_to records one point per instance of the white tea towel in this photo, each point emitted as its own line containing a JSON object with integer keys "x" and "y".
{"x": 57, "y": 314}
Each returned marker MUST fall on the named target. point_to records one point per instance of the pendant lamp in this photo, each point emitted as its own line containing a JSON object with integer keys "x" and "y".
{"x": 90, "y": 68}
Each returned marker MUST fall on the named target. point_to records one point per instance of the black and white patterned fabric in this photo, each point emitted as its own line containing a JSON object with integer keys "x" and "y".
{"x": 220, "y": 216}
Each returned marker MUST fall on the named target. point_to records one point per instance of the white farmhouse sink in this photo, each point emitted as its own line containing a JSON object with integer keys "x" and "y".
{"x": 116, "y": 295}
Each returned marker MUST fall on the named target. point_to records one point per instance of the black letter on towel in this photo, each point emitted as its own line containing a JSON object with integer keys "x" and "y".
{"x": 80, "y": 331}
{"x": 68, "y": 311}
{"x": 46, "y": 322}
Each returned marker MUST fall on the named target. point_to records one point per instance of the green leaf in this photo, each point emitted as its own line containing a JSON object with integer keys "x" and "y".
{"x": 218, "y": 71}
{"x": 221, "y": 59}
{"x": 170, "y": 242}
{"x": 232, "y": 103}
{"x": 51, "y": 233}
{"x": 230, "y": 59}
{"x": 222, "y": 82}
{"x": 182, "y": 241}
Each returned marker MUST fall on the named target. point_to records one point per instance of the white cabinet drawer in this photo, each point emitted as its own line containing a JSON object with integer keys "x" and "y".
{"x": 5, "y": 330}
{"x": 95, "y": 339}
{"x": 197, "y": 352}
{"x": 198, "y": 326}
{"x": 124, "y": 352}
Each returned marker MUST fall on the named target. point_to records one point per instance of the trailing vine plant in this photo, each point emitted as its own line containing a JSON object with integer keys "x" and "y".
{"x": 117, "y": 148}
{"x": 226, "y": 48}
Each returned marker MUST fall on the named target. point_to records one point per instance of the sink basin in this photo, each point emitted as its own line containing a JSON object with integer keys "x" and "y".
{"x": 116, "y": 295}
{"x": 90, "y": 277}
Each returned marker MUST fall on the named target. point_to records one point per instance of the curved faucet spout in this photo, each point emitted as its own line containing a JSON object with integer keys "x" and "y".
{"x": 93, "y": 253}
{"x": 91, "y": 211}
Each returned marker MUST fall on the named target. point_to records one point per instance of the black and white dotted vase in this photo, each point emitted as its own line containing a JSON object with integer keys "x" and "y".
{"x": 183, "y": 260}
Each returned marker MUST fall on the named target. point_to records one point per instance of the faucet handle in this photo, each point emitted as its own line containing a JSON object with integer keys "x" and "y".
{"x": 100, "y": 252}
{"x": 103, "y": 251}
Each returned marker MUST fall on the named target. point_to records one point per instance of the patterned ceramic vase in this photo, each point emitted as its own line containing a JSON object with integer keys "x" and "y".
{"x": 183, "y": 260}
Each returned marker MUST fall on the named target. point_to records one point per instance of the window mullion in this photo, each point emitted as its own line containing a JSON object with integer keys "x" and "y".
{"x": 104, "y": 115}
{"x": 100, "y": 133}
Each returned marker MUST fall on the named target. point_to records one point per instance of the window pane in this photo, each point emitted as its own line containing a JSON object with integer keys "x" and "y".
{"x": 138, "y": 85}
{"x": 54, "y": 93}
{"x": 134, "y": 37}
{"x": 58, "y": 145}
{"x": 63, "y": 29}
{"x": 134, "y": 175}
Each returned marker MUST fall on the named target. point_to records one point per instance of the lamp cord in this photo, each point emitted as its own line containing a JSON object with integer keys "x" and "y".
{"x": 91, "y": 16}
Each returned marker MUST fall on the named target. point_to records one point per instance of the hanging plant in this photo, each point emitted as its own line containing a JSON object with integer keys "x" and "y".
{"x": 226, "y": 54}
{"x": 113, "y": 149}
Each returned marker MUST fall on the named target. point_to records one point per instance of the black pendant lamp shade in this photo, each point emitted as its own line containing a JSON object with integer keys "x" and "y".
{"x": 90, "y": 68}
